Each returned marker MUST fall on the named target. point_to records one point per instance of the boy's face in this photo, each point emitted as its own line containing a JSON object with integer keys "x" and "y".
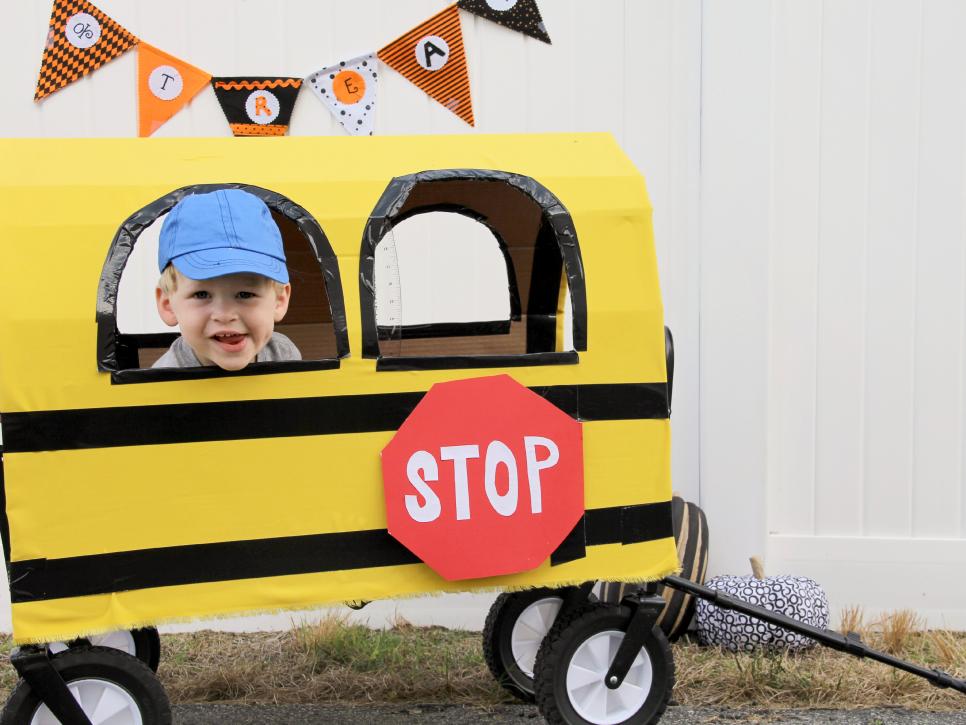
{"x": 226, "y": 320}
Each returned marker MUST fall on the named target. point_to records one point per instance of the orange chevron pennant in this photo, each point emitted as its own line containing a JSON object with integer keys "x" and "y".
{"x": 80, "y": 39}
{"x": 431, "y": 56}
{"x": 165, "y": 85}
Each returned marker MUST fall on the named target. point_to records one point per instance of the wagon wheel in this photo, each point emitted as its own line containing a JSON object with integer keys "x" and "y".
{"x": 143, "y": 643}
{"x": 111, "y": 687}
{"x": 574, "y": 659}
{"x": 515, "y": 627}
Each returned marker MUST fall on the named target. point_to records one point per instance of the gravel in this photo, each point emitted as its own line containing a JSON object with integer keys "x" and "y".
{"x": 521, "y": 714}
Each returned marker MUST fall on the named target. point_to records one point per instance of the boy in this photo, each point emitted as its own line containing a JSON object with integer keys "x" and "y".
{"x": 224, "y": 281}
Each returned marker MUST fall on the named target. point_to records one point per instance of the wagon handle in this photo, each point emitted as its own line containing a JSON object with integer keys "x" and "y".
{"x": 850, "y": 643}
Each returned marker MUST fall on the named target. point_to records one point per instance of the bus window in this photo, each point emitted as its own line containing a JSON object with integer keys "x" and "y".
{"x": 132, "y": 337}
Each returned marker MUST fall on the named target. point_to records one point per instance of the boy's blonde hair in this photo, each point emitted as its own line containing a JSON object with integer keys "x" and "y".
{"x": 168, "y": 282}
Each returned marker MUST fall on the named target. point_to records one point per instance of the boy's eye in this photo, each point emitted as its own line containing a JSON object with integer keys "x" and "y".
{"x": 200, "y": 295}
{"x": 246, "y": 295}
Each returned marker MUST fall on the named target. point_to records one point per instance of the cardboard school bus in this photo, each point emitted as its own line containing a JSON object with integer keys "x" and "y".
{"x": 136, "y": 495}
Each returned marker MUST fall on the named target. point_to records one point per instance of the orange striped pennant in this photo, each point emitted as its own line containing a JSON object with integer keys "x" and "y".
{"x": 432, "y": 56}
{"x": 80, "y": 39}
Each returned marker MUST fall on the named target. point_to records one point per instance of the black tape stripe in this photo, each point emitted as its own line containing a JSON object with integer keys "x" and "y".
{"x": 43, "y": 579}
{"x": 195, "y": 422}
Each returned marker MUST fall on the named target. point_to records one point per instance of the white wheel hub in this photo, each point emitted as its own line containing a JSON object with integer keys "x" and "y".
{"x": 590, "y": 697}
{"x": 121, "y": 639}
{"x": 529, "y": 630}
{"x": 104, "y": 702}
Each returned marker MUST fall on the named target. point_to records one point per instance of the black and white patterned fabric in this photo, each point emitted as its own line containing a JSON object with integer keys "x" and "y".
{"x": 797, "y": 597}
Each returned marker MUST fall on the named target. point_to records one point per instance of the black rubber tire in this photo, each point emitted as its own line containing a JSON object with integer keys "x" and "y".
{"x": 559, "y": 647}
{"x": 497, "y": 648}
{"x": 103, "y": 663}
{"x": 147, "y": 645}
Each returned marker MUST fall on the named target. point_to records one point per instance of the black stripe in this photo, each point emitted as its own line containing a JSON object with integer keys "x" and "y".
{"x": 54, "y": 430}
{"x": 42, "y": 579}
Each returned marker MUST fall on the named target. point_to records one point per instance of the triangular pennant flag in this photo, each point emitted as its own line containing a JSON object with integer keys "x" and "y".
{"x": 520, "y": 15}
{"x": 431, "y": 56}
{"x": 257, "y": 106}
{"x": 165, "y": 85}
{"x": 349, "y": 90}
{"x": 80, "y": 39}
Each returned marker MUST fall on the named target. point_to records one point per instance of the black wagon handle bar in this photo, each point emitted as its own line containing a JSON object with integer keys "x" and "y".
{"x": 850, "y": 643}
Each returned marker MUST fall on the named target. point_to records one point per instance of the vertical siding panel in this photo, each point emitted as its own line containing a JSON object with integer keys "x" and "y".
{"x": 840, "y": 347}
{"x": 681, "y": 246}
{"x": 598, "y": 80}
{"x": 796, "y": 187}
{"x": 499, "y": 77}
{"x": 938, "y": 434}
{"x": 893, "y": 167}
{"x": 647, "y": 77}
{"x": 551, "y": 94}
{"x": 735, "y": 210}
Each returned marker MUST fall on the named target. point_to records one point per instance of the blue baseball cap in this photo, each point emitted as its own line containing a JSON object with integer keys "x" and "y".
{"x": 222, "y": 232}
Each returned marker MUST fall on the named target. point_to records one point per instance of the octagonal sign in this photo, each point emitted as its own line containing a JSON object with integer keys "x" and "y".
{"x": 483, "y": 478}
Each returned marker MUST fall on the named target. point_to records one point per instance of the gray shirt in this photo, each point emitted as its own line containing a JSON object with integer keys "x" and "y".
{"x": 180, "y": 354}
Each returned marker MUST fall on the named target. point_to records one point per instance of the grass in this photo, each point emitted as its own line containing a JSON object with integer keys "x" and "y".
{"x": 335, "y": 661}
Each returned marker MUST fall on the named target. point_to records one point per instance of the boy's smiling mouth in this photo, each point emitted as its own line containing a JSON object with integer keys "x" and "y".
{"x": 230, "y": 341}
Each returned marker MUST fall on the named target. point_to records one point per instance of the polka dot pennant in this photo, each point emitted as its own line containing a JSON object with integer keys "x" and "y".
{"x": 349, "y": 89}
{"x": 520, "y": 15}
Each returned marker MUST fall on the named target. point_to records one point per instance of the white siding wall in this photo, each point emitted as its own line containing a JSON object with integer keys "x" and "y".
{"x": 638, "y": 59}
{"x": 832, "y": 295}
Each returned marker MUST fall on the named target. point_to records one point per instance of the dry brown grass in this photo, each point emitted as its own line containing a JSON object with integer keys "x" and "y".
{"x": 334, "y": 661}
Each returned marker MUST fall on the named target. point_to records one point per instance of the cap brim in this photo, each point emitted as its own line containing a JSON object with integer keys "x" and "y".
{"x": 207, "y": 264}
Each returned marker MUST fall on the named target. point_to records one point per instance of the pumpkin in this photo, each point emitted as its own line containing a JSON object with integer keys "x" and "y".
{"x": 797, "y": 597}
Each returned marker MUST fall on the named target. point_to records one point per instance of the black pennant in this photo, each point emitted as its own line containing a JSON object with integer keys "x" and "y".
{"x": 257, "y": 106}
{"x": 520, "y": 15}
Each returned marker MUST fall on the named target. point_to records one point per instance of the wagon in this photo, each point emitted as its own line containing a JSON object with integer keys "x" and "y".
{"x": 523, "y": 447}
{"x": 137, "y": 495}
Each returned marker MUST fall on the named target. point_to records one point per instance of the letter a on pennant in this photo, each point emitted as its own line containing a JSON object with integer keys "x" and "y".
{"x": 165, "y": 85}
{"x": 80, "y": 39}
{"x": 431, "y": 56}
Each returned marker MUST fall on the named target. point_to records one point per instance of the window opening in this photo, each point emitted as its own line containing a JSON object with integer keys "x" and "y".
{"x": 442, "y": 287}
{"x": 462, "y": 265}
{"x": 131, "y": 336}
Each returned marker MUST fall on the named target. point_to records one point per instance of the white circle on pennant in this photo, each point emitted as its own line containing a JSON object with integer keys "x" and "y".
{"x": 432, "y": 52}
{"x": 82, "y": 30}
{"x": 165, "y": 82}
{"x": 501, "y": 6}
{"x": 262, "y": 107}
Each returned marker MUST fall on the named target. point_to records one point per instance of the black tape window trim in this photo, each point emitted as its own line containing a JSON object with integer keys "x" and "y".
{"x": 45, "y": 579}
{"x": 109, "y": 339}
{"x": 444, "y": 329}
{"x": 477, "y": 361}
{"x": 160, "y": 375}
{"x": 387, "y": 214}
{"x": 86, "y": 428}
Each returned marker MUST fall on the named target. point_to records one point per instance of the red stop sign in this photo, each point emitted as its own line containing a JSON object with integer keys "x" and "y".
{"x": 483, "y": 478}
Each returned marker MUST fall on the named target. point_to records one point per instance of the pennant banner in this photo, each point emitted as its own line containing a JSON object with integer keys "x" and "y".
{"x": 349, "y": 90}
{"x": 165, "y": 85}
{"x": 257, "y": 106}
{"x": 520, "y": 15}
{"x": 431, "y": 56}
{"x": 80, "y": 39}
